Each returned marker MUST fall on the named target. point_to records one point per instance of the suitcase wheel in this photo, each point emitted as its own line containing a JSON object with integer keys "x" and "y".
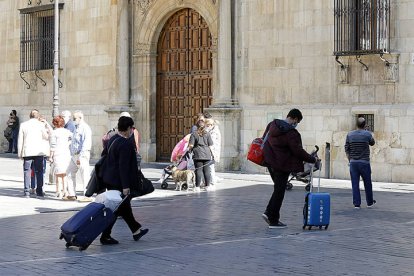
{"x": 303, "y": 227}
{"x": 81, "y": 248}
{"x": 67, "y": 245}
{"x": 289, "y": 186}
{"x": 164, "y": 185}
{"x": 326, "y": 227}
{"x": 320, "y": 227}
{"x": 309, "y": 227}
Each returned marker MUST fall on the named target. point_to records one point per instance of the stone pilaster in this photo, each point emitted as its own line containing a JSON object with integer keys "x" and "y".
{"x": 122, "y": 55}
{"x": 223, "y": 95}
{"x": 229, "y": 125}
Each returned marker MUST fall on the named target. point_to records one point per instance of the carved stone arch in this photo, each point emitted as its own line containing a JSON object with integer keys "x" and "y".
{"x": 147, "y": 29}
{"x": 148, "y": 32}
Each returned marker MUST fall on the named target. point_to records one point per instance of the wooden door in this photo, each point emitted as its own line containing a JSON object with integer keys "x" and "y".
{"x": 184, "y": 74}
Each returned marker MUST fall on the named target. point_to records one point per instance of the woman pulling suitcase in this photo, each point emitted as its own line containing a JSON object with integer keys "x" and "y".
{"x": 120, "y": 172}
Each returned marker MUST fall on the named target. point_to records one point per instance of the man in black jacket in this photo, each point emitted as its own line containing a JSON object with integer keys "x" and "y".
{"x": 120, "y": 172}
{"x": 283, "y": 154}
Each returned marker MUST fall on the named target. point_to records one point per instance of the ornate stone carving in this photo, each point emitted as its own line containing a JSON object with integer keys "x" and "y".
{"x": 143, "y": 5}
{"x": 142, "y": 49}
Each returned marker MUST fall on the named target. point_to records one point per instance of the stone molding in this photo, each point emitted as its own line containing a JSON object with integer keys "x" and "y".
{"x": 142, "y": 49}
{"x": 143, "y": 5}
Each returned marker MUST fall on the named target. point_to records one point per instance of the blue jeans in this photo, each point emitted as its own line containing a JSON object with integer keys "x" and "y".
{"x": 38, "y": 167}
{"x": 357, "y": 170}
{"x": 33, "y": 174}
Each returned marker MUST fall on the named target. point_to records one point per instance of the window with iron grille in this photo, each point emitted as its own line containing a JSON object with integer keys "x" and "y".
{"x": 362, "y": 27}
{"x": 37, "y": 38}
{"x": 369, "y": 121}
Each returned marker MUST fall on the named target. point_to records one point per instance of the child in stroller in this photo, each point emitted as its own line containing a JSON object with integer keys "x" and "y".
{"x": 305, "y": 175}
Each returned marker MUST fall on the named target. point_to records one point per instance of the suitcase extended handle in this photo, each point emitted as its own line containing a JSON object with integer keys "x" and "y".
{"x": 311, "y": 177}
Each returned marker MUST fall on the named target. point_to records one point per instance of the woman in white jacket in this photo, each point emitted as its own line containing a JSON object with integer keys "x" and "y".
{"x": 213, "y": 128}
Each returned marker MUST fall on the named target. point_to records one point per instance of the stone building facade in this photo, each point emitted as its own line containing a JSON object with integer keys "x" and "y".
{"x": 263, "y": 58}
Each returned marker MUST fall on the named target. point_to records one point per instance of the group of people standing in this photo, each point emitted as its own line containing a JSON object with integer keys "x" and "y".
{"x": 66, "y": 145}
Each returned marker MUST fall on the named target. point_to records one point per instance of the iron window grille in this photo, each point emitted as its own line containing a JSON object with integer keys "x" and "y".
{"x": 369, "y": 121}
{"x": 37, "y": 38}
{"x": 362, "y": 27}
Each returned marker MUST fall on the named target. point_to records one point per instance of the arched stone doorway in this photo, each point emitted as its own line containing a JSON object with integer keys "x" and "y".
{"x": 184, "y": 77}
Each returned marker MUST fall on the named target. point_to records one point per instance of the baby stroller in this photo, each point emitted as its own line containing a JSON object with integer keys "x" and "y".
{"x": 305, "y": 176}
{"x": 180, "y": 158}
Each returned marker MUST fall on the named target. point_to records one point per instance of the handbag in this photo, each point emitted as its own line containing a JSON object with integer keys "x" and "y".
{"x": 255, "y": 153}
{"x": 96, "y": 184}
{"x": 142, "y": 187}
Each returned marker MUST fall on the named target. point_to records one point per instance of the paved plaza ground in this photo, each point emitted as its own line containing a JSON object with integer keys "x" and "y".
{"x": 214, "y": 233}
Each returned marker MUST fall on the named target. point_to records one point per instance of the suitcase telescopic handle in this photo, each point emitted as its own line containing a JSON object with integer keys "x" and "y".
{"x": 311, "y": 177}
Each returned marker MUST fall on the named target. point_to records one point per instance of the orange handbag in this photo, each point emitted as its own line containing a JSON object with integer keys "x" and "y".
{"x": 255, "y": 153}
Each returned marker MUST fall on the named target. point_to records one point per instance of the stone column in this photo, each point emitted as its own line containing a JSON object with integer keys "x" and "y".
{"x": 122, "y": 54}
{"x": 223, "y": 95}
{"x": 121, "y": 100}
{"x": 225, "y": 107}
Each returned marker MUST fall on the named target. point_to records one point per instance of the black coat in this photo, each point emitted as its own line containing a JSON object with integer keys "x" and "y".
{"x": 283, "y": 149}
{"x": 120, "y": 170}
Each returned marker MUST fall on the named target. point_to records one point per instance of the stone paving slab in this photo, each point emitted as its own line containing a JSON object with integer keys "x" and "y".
{"x": 222, "y": 233}
{"x": 217, "y": 233}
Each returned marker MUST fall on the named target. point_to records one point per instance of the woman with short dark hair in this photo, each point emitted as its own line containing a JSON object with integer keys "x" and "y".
{"x": 120, "y": 172}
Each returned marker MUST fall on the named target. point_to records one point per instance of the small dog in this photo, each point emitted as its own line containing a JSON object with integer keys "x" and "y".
{"x": 182, "y": 176}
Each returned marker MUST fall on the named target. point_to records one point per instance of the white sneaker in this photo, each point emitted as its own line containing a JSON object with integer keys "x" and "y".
{"x": 211, "y": 188}
{"x": 197, "y": 190}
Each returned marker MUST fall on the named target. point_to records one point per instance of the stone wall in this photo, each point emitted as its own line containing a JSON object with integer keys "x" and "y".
{"x": 88, "y": 33}
{"x": 285, "y": 60}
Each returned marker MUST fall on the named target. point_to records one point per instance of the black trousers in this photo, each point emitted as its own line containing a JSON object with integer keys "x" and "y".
{"x": 280, "y": 180}
{"x": 201, "y": 172}
{"x": 125, "y": 211}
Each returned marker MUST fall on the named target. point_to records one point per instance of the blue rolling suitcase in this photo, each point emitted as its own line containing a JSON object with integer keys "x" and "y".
{"x": 316, "y": 211}
{"x": 87, "y": 224}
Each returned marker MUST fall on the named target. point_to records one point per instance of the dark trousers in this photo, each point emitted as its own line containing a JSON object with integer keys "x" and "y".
{"x": 124, "y": 211}
{"x": 275, "y": 203}
{"x": 357, "y": 170}
{"x": 37, "y": 162}
{"x": 15, "y": 138}
{"x": 202, "y": 172}
{"x": 10, "y": 144}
